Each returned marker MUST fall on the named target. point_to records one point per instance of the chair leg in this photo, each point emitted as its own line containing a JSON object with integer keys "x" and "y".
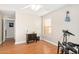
{"x": 62, "y": 51}
{"x": 58, "y": 48}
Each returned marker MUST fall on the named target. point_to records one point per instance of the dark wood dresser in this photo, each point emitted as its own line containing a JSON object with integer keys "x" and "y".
{"x": 32, "y": 38}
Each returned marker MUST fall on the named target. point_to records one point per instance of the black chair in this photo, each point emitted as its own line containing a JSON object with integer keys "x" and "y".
{"x": 65, "y": 48}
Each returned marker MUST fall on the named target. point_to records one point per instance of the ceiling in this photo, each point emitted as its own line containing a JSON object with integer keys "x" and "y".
{"x": 9, "y": 9}
{"x": 46, "y": 8}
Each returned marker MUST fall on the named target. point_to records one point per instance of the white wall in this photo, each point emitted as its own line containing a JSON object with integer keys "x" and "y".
{"x": 58, "y": 23}
{"x": 0, "y": 29}
{"x": 26, "y": 23}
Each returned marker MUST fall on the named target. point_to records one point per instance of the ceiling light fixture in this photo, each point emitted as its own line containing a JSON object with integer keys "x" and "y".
{"x": 34, "y": 7}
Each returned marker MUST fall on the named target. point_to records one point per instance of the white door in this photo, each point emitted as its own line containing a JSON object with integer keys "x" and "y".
{"x": 9, "y": 28}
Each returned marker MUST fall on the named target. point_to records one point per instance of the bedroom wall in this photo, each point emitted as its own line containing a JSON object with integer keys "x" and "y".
{"x": 26, "y": 23}
{"x": 58, "y": 23}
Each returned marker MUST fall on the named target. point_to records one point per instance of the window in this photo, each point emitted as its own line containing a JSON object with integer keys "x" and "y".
{"x": 47, "y": 26}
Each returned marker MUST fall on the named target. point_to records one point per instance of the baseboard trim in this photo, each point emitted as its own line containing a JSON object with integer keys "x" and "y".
{"x": 50, "y": 42}
{"x": 20, "y": 42}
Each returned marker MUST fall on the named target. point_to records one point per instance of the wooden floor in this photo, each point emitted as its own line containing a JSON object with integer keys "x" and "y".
{"x": 41, "y": 47}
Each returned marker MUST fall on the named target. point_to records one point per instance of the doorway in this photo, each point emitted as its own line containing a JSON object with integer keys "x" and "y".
{"x": 8, "y": 32}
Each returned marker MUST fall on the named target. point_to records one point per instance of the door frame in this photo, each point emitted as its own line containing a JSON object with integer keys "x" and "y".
{"x": 3, "y": 28}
